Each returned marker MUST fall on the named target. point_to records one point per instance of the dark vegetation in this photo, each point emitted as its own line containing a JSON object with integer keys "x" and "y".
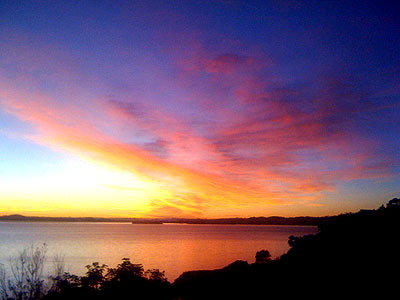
{"x": 353, "y": 255}
{"x": 126, "y": 281}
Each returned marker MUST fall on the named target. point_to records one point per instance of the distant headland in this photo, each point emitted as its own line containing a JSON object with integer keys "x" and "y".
{"x": 273, "y": 220}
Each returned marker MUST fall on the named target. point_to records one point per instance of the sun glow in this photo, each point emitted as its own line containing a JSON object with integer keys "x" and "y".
{"x": 83, "y": 174}
{"x": 81, "y": 186}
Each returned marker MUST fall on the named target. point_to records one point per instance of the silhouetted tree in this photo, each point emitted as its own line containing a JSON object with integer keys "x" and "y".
{"x": 26, "y": 281}
{"x": 94, "y": 275}
{"x": 126, "y": 280}
{"x": 395, "y": 202}
{"x": 263, "y": 257}
{"x": 155, "y": 275}
{"x": 3, "y": 283}
{"x": 125, "y": 271}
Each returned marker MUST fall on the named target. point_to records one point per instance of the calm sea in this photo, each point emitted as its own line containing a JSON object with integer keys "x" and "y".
{"x": 173, "y": 248}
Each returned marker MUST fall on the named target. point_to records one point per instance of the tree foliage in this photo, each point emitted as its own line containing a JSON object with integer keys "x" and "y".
{"x": 263, "y": 257}
{"x": 26, "y": 281}
{"x": 126, "y": 280}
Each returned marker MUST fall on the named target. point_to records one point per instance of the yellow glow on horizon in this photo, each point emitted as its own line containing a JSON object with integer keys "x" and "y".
{"x": 80, "y": 188}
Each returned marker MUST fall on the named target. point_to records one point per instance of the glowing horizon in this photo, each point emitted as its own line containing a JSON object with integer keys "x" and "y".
{"x": 139, "y": 111}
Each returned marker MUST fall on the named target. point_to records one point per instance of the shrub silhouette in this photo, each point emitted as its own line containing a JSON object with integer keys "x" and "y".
{"x": 263, "y": 257}
{"x": 94, "y": 275}
{"x": 27, "y": 280}
{"x": 394, "y": 203}
{"x": 125, "y": 271}
{"x": 126, "y": 281}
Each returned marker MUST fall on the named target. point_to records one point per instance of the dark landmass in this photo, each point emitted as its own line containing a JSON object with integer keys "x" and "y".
{"x": 311, "y": 221}
{"x": 21, "y": 218}
{"x": 304, "y": 221}
{"x": 354, "y": 255}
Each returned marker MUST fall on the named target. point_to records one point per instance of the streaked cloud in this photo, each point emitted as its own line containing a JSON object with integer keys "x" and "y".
{"x": 203, "y": 122}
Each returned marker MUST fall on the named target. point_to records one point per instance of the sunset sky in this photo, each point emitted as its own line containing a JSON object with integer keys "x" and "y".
{"x": 198, "y": 108}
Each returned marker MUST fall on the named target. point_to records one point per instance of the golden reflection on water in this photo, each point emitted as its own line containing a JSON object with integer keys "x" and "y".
{"x": 173, "y": 248}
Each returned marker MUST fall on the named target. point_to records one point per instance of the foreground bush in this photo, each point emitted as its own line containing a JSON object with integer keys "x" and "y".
{"x": 126, "y": 281}
{"x": 26, "y": 281}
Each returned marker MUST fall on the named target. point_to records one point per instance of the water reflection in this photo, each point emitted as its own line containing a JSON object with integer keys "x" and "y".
{"x": 173, "y": 248}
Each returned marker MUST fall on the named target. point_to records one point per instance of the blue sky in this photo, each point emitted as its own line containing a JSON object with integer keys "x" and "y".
{"x": 208, "y": 108}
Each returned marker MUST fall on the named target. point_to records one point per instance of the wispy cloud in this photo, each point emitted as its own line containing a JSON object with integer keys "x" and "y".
{"x": 232, "y": 133}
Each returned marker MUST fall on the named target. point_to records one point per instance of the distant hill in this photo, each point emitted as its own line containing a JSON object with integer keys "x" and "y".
{"x": 21, "y": 218}
{"x": 305, "y": 221}
{"x": 274, "y": 220}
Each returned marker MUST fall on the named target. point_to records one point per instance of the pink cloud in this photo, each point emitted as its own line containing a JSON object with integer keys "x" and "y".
{"x": 225, "y": 63}
{"x": 235, "y": 138}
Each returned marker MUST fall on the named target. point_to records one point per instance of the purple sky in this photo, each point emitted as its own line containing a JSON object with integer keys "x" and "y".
{"x": 198, "y": 108}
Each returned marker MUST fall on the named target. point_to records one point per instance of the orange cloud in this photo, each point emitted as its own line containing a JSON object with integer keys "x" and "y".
{"x": 67, "y": 129}
{"x": 234, "y": 141}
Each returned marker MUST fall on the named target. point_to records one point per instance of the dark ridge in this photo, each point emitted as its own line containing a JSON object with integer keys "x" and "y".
{"x": 312, "y": 221}
{"x": 304, "y": 221}
{"x": 16, "y": 217}
{"x": 353, "y": 255}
